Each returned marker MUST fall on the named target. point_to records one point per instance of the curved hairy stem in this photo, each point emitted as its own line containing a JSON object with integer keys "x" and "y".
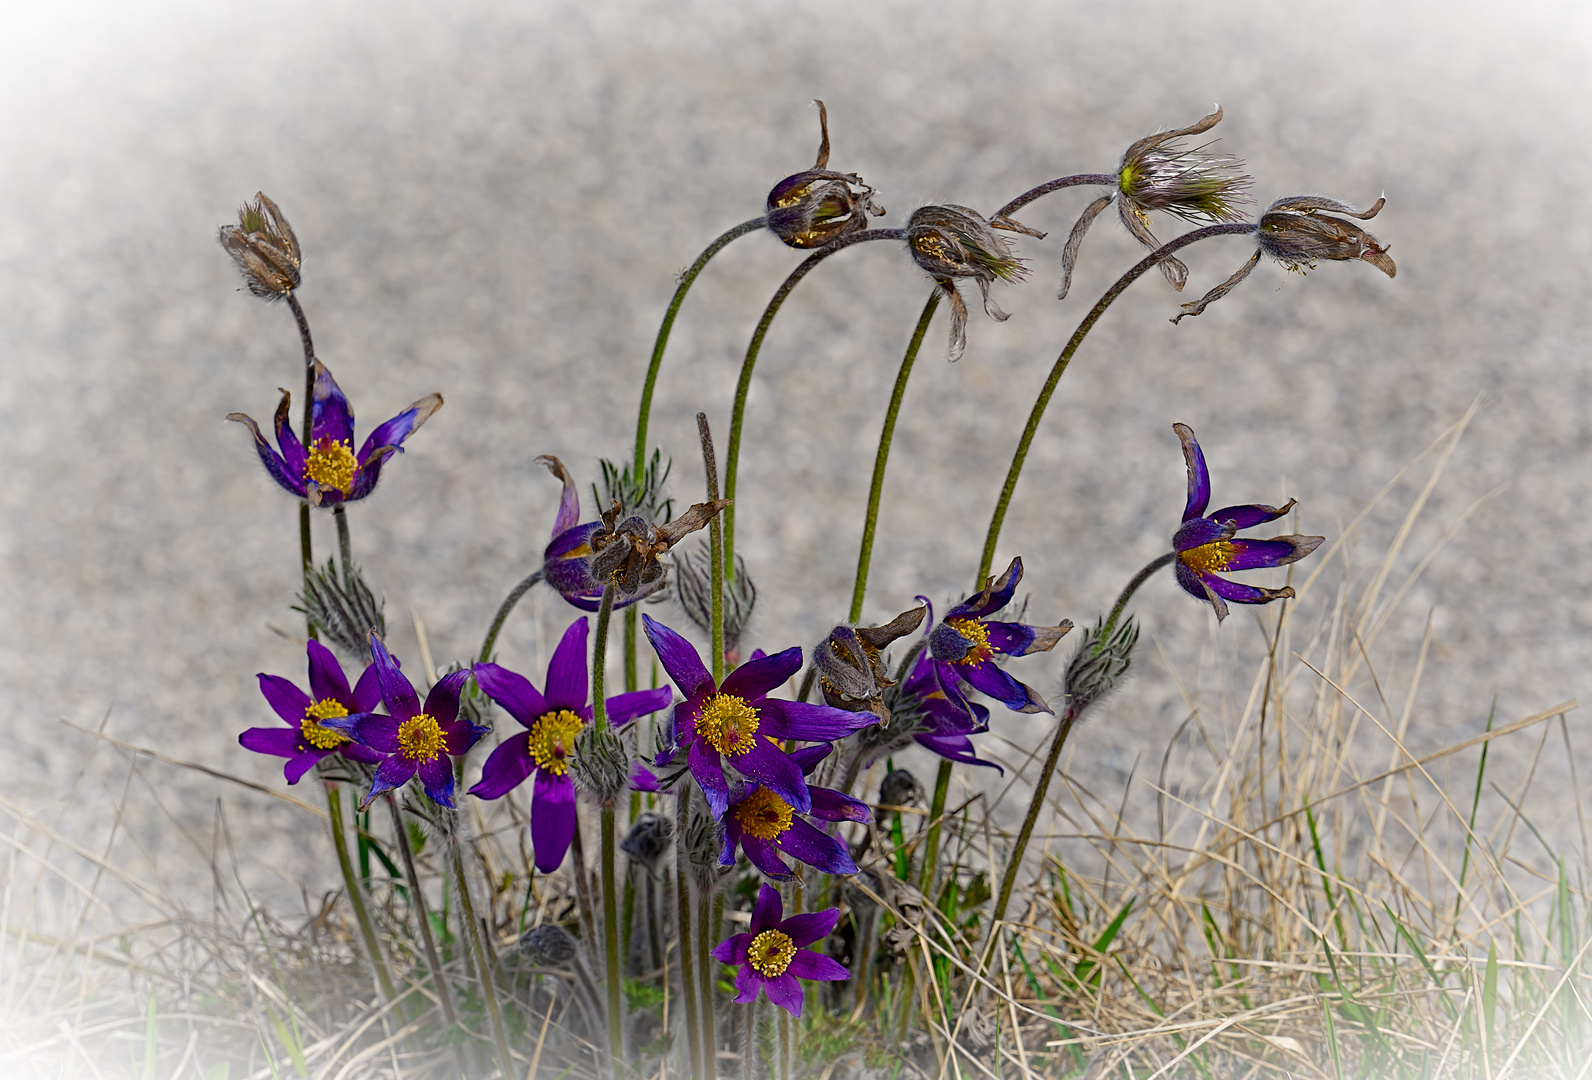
{"x": 1127, "y": 593}
{"x": 503, "y": 612}
{"x": 876, "y": 488}
{"x": 616, "y": 1020}
{"x": 931, "y": 842}
{"x": 1093, "y": 179}
{"x": 1056, "y": 371}
{"x": 732, "y": 456}
{"x": 715, "y": 546}
{"x": 306, "y": 551}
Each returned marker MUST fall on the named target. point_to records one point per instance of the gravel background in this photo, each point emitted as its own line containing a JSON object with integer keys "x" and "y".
{"x": 493, "y": 201}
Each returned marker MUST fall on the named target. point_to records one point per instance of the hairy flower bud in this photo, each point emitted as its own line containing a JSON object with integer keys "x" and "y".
{"x": 900, "y": 788}
{"x": 812, "y": 208}
{"x": 343, "y": 609}
{"x": 704, "y": 841}
{"x": 693, "y": 584}
{"x": 264, "y": 247}
{"x": 1099, "y": 665}
{"x": 648, "y": 841}
{"x": 851, "y": 667}
{"x": 601, "y": 766}
{"x": 548, "y": 945}
{"x": 951, "y": 242}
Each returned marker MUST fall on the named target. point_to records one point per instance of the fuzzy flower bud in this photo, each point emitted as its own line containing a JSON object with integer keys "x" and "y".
{"x": 648, "y": 840}
{"x": 850, "y": 663}
{"x": 812, "y": 208}
{"x": 704, "y": 841}
{"x": 1099, "y": 665}
{"x": 900, "y": 788}
{"x": 951, "y": 242}
{"x": 264, "y": 247}
{"x": 343, "y": 609}
{"x": 693, "y": 584}
{"x": 601, "y": 766}
{"x": 548, "y": 945}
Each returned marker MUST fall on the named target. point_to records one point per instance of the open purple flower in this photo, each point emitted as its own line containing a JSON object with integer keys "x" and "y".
{"x": 965, "y": 644}
{"x": 762, "y": 824}
{"x": 306, "y": 740}
{"x": 411, "y": 739}
{"x": 328, "y": 472}
{"x": 1206, "y": 543}
{"x": 740, "y": 724}
{"x": 941, "y": 722}
{"x": 772, "y": 956}
{"x": 553, "y": 722}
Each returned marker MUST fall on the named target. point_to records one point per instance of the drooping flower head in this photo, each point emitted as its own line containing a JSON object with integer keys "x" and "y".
{"x": 812, "y": 208}
{"x": 411, "y": 739}
{"x": 1159, "y": 173}
{"x": 306, "y": 740}
{"x": 264, "y": 247}
{"x": 772, "y": 954}
{"x": 328, "y": 472}
{"x": 964, "y": 646}
{"x": 850, "y": 663}
{"x": 763, "y": 825}
{"x": 940, "y": 722}
{"x": 1295, "y": 233}
{"x": 951, "y": 242}
{"x": 739, "y": 725}
{"x": 553, "y": 722}
{"x": 1207, "y": 543}
{"x": 584, "y": 556}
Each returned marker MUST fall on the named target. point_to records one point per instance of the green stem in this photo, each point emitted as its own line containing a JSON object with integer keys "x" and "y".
{"x": 715, "y": 546}
{"x": 931, "y": 843}
{"x": 356, "y": 895}
{"x": 306, "y": 550}
{"x": 705, "y": 973}
{"x": 345, "y": 549}
{"x": 417, "y": 903}
{"x": 662, "y": 342}
{"x": 503, "y": 612}
{"x": 876, "y": 489}
{"x": 682, "y": 921}
{"x": 1015, "y": 860}
{"x": 1056, "y": 371}
{"x": 483, "y": 966}
{"x": 631, "y": 679}
{"x": 616, "y": 1020}
{"x": 734, "y": 453}
{"x": 1127, "y": 594}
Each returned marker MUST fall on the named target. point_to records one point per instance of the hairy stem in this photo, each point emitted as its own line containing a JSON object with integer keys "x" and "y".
{"x": 417, "y": 904}
{"x": 705, "y": 973}
{"x": 1056, "y": 371}
{"x": 356, "y": 894}
{"x": 931, "y": 843}
{"x": 1015, "y": 860}
{"x": 732, "y": 456}
{"x": 616, "y": 1019}
{"x": 1127, "y": 594}
{"x": 345, "y": 548}
{"x": 503, "y": 612}
{"x": 715, "y": 546}
{"x": 306, "y": 550}
{"x": 1095, "y": 179}
{"x": 483, "y": 966}
{"x": 682, "y": 922}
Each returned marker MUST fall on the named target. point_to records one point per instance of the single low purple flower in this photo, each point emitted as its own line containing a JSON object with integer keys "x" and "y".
{"x": 1206, "y": 543}
{"x": 740, "y": 724}
{"x": 328, "y": 472}
{"x": 553, "y": 721}
{"x": 772, "y": 956}
{"x": 411, "y": 739}
{"x": 763, "y": 825}
{"x": 306, "y": 740}
{"x": 965, "y": 644}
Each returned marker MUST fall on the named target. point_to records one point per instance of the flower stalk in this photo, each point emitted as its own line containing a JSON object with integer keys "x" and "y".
{"x": 715, "y": 545}
{"x": 599, "y": 664}
{"x": 417, "y": 905}
{"x": 483, "y": 965}
{"x": 306, "y": 549}
{"x": 356, "y": 895}
{"x": 682, "y": 919}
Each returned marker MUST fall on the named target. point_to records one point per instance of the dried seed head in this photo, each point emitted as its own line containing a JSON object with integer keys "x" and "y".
{"x": 900, "y": 788}
{"x": 343, "y": 609}
{"x": 1296, "y": 234}
{"x": 601, "y": 766}
{"x": 951, "y": 242}
{"x": 815, "y": 207}
{"x": 648, "y": 840}
{"x": 850, "y": 663}
{"x": 693, "y": 585}
{"x": 1099, "y": 665}
{"x": 548, "y": 945}
{"x": 627, "y": 552}
{"x": 264, "y": 247}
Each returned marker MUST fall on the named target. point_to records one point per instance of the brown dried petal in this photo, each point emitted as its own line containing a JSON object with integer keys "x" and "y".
{"x": 1150, "y": 142}
{"x": 697, "y": 517}
{"x": 1197, "y": 306}
{"x": 1138, "y": 223}
{"x": 1069, "y": 254}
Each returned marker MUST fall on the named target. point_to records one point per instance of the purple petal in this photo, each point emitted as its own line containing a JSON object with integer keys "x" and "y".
{"x": 987, "y": 678}
{"x": 513, "y": 691}
{"x": 765, "y": 856}
{"x": 276, "y": 741}
{"x": 678, "y": 658}
{"x": 1246, "y": 517}
{"x": 367, "y": 470}
{"x": 287, "y": 700}
{"x": 436, "y": 776}
{"x": 395, "y": 771}
{"x": 552, "y": 819}
{"x": 569, "y": 500}
{"x": 326, "y": 675}
{"x": 1197, "y": 585}
{"x": 808, "y": 722}
{"x": 374, "y": 730}
{"x": 784, "y": 991}
{"x": 994, "y": 596}
{"x": 709, "y": 774}
{"x": 766, "y": 763}
{"x": 732, "y": 950}
{"x": 280, "y": 470}
{"x": 643, "y": 778}
{"x": 1009, "y": 638}
{"x": 808, "y": 927}
{"x": 332, "y": 416}
{"x": 768, "y": 910}
{"x": 1198, "y": 533}
{"x": 816, "y": 967}
{"x": 1199, "y": 477}
{"x": 755, "y": 678}
{"x": 293, "y": 454}
{"x": 566, "y": 685}
{"x": 957, "y": 748}
{"x": 367, "y": 691}
{"x": 362, "y": 754}
{"x": 395, "y": 431}
{"x": 1253, "y": 554}
{"x": 506, "y": 767}
{"x": 442, "y": 704}
{"x": 1243, "y": 594}
{"x": 396, "y": 692}
{"x": 830, "y": 805}
{"x": 623, "y": 708}
{"x": 808, "y": 757}
{"x": 294, "y": 770}
{"x": 747, "y": 983}
{"x": 827, "y": 853}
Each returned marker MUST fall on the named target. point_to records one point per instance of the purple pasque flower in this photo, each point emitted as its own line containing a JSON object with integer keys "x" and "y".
{"x": 772, "y": 956}
{"x": 964, "y": 645}
{"x": 306, "y": 739}
{"x": 942, "y": 722}
{"x": 328, "y": 472}
{"x": 411, "y": 739}
{"x": 762, "y": 824}
{"x": 553, "y": 721}
{"x": 740, "y": 724}
{"x": 1206, "y": 543}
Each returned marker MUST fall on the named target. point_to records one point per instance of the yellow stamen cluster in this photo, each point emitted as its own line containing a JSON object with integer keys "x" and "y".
{"x": 978, "y": 639}
{"x": 932, "y": 245}
{"x": 420, "y": 738}
{"x": 331, "y": 464}
{"x": 728, "y": 723}
{"x": 771, "y": 953}
{"x": 317, "y": 735}
{"x": 764, "y": 814}
{"x": 1217, "y": 555}
{"x": 553, "y": 740}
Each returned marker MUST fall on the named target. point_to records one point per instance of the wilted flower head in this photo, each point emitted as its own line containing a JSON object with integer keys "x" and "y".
{"x": 923, "y": 712}
{"x": 328, "y": 472}
{"x": 772, "y": 954}
{"x": 693, "y": 584}
{"x": 1206, "y": 543}
{"x": 850, "y": 663}
{"x": 951, "y": 242}
{"x": 264, "y": 247}
{"x": 1157, "y": 173}
{"x": 966, "y": 643}
{"x": 1296, "y": 234}
{"x": 812, "y": 208}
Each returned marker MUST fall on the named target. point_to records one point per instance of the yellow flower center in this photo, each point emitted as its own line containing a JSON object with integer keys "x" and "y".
{"x": 771, "y": 953}
{"x": 764, "y": 814}
{"x": 796, "y": 194}
{"x": 728, "y": 723}
{"x": 318, "y": 736}
{"x": 1217, "y": 555}
{"x": 933, "y": 245}
{"x": 978, "y": 640}
{"x": 553, "y": 740}
{"x": 420, "y": 737}
{"x": 331, "y": 464}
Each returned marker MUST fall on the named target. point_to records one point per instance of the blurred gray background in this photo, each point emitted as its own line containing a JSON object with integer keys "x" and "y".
{"x": 493, "y": 201}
